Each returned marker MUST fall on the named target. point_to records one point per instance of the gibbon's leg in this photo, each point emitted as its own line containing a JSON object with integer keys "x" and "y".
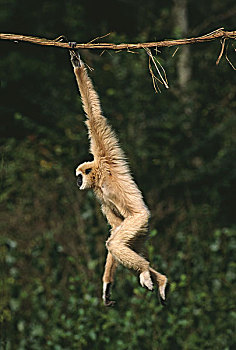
{"x": 111, "y": 262}
{"x": 108, "y": 278}
{"x": 118, "y": 246}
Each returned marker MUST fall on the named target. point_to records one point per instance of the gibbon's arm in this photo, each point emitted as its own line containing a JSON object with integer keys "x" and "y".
{"x": 103, "y": 141}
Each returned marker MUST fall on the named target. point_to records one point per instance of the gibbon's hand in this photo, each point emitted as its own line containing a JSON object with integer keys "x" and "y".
{"x": 74, "y": 56}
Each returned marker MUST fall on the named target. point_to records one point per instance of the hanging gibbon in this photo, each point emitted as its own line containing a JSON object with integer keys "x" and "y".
{"x": 121, "y": 200}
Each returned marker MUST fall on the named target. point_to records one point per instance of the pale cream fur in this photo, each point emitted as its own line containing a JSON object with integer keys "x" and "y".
{"x": 121, "y": 200}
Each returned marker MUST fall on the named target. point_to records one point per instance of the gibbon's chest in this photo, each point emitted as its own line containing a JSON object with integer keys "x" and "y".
{"x": 108, "y": 198}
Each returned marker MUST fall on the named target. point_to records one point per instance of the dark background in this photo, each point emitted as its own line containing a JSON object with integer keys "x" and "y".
{"x": 180, "y": 147}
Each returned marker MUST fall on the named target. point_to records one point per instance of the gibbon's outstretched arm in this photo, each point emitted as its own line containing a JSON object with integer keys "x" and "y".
{"x": 103, "y": 142}
{"x": 122, "y": 202}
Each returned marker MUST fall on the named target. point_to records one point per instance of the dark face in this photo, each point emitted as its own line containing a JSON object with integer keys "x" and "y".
{"x": 79, "y": 180}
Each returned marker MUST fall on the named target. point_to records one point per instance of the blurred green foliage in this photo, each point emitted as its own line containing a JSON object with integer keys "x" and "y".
{"x": 181, "y": 147}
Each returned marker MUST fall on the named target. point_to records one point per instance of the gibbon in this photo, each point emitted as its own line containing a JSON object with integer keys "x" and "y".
{"x": 121, "y": 200}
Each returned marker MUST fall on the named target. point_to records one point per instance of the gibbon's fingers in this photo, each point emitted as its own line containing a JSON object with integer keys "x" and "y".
{"x": 72, "y": 44}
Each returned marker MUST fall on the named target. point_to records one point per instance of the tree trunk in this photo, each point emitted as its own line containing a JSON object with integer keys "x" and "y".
{"x": 181, "y": 28}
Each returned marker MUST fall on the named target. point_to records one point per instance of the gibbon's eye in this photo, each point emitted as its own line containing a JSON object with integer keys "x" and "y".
{"x": 87, "y": 171}
{"x": 79, "y": 180}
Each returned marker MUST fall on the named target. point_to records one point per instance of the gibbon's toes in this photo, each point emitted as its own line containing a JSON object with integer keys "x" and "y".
{"x": 162, "y": 288}
{"x": 145, "y": 280}
{"x": 109, "y": 303}
{"x": 106, "y": 294}
{"x": 163, "y": 292}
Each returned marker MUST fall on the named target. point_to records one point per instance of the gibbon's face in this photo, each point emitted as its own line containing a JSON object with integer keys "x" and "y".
{"x": 85, "y": 175}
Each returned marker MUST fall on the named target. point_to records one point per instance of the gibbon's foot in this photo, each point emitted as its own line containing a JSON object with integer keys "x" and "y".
{"x": 109, "y": 303}
{"x": 163, "y": 292}
{"x": 106, "y": 295}
{"x": 145, "y": 280}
